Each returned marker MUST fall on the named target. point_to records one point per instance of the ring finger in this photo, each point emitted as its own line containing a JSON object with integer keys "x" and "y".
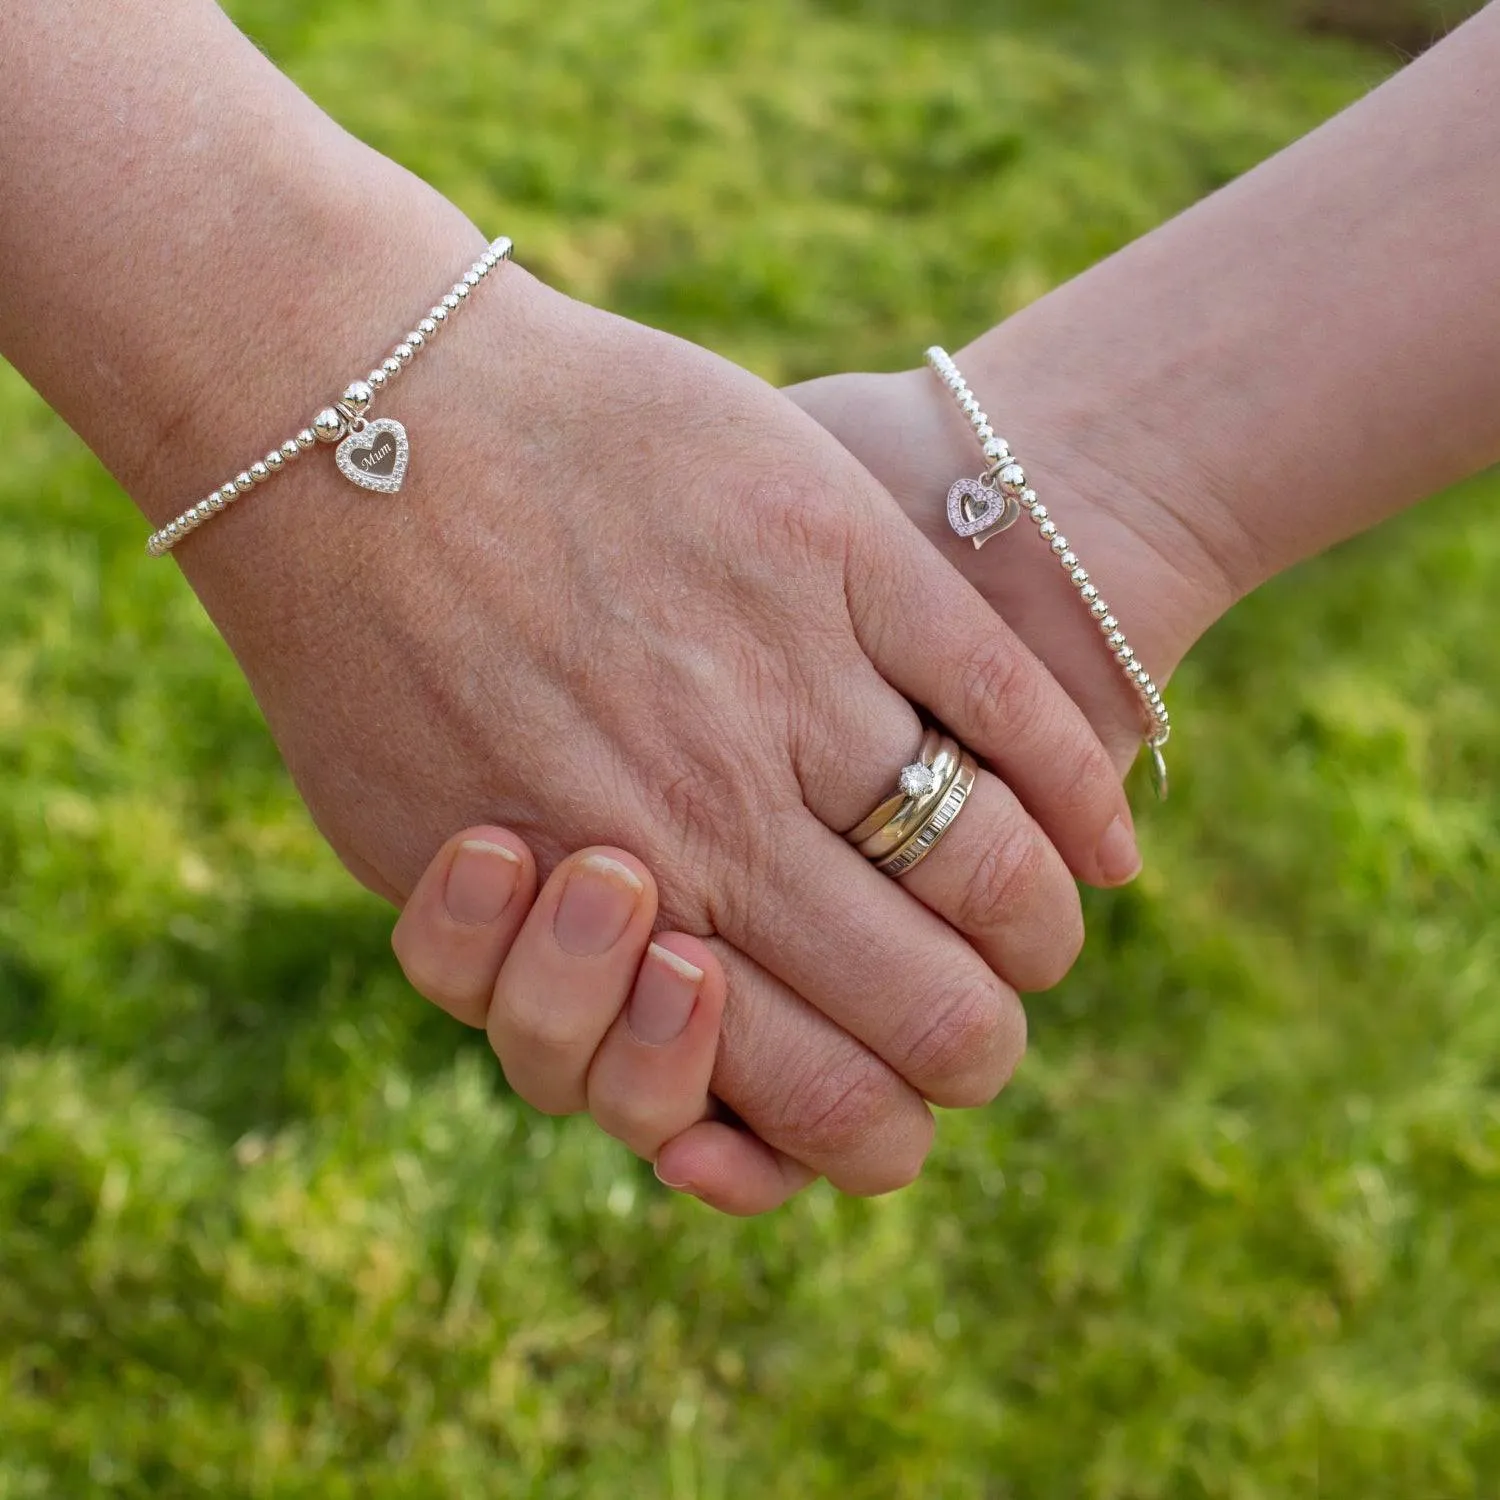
{"x": 993, "y": 875}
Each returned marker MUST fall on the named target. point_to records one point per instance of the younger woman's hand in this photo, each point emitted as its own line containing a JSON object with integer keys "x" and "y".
{"x": 585, "y": 1008}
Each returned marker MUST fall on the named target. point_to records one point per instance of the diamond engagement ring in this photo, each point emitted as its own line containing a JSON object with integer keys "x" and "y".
{"x": 905, "y": 828}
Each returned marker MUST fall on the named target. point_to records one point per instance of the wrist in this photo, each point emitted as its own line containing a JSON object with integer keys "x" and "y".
{"x": 1127, "y": 479}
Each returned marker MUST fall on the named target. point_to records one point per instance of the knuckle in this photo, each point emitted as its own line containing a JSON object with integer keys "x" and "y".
{"x": 1087, "y": 784}
{"x": 536, "y": 1023}
{"x": 635, "y": 1123}
{"x": 432, "y": 977}
{"x": 853, "y": 1118}
{"x": 996, "y": 674}
{"x": 970, "y": 1046}
{"x": 692, "y": 799}
{"x": 789, "y": 516}
{"x": 1008, "y": 876}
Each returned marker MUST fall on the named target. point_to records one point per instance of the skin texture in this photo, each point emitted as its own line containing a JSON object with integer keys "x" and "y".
{"x": 630, "y": 594}
{"x": 1298, "y": 356}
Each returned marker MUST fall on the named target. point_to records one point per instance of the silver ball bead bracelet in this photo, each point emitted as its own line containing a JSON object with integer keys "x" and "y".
{"x": 372, "y": 452}
{"x": 984, "y": 507}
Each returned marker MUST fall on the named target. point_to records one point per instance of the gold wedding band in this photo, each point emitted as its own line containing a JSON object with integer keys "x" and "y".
{"x": 894, "y": 803}
{"x": 905, "y": 828}
{"x": 925, "y": 839}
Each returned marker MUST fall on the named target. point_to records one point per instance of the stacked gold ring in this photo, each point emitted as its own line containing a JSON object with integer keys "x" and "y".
{"x": 906, "y": 827}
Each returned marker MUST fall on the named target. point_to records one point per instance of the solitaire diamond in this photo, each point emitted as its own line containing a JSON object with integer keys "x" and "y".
{"x": 917, "y": 780}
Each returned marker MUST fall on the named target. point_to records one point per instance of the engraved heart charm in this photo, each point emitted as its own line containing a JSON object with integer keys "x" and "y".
{"x": 980, "y": 511}
{"x": 374, "y": 457}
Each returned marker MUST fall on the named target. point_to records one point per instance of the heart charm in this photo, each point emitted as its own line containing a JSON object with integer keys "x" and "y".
{"x": 981, "y": 511}
{"x": 374, "y": 457}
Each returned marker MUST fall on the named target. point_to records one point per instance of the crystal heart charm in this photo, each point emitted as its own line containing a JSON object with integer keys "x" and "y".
{"x": 374, "y": 457}
{"x": 980, "y": 511}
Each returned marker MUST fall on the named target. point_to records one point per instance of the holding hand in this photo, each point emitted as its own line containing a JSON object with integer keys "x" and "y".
{"x": 586, "y": 1010}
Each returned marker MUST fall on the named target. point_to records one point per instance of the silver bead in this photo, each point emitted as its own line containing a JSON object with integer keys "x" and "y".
{"x": 201, "y": 512}
{"x": 415, "y": 338}
{"x": 995, "y": 449}
{"x": 460, "y": 291}
{"x": 1100, "y": 611}
{"x": 290, "y": 450}
{"x": 216, "y": 501}
{"x": 173, "y": 530}
{"x": 1028, "y": 499}
{"x": 985, "y": 431}
{"x": 1107, "y": 621}
{"x": 358, "y": 394}
{"x": 1124, "y": 654}
{"x": 450, "y": 301}
{"x": 501, "y": 246}
{"x": 438, "y": 313}
{"x": 490, "y": 259}
{"x": 392, "y": 367}
{"x": 1059, "y": 544}
{"x": 376, "y": 380}
{"x": 427, "y": 327}
{"x": 1038, "y": 512}
{"x": 1069, "y": 559}
{"x": 1088, "y": 593}
{"x": 1013, "y": 476}
{"x": 1079, "y": 577}
{"x": 328, "y": 425}
{"x": 306, "y": 439}
{"x": 481, "y": 268}
{"x": 273, "y": 461}
{"x": 1048, "y": 528}
{"x": 1115, "y": 638}
{"x": 243, "y": 481}
{"x": 259, "y": 473}
{"x": 228, "y": 493}
{"x": 403, "y": 353}
{"x": 471, "y": 278}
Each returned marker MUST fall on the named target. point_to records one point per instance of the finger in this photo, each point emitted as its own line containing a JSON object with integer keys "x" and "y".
{"x": 810, "y": 1090}
{"x": 994, "y": 875}
{"x": 942, "y": 646}
{"x": 569, "y": 973}
{"x": 461, "y": 919}
{"x": 649, "y": 1079}
{"x": 872, "y": 960}
{"x": 730, "y": 1169}
{"x": 997, "y": 878}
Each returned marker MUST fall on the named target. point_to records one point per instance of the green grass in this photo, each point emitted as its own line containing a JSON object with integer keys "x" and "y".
{"x": 270, "y": 1227}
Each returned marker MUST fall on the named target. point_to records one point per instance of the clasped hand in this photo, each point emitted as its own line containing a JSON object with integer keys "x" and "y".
{"x": 633, "y": 596}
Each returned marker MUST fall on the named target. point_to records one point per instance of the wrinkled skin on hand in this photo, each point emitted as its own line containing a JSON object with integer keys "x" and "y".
{"x": 633, "y": 595}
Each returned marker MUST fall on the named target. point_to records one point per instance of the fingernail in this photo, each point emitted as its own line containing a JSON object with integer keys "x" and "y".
{"x": 1119, "y": 855}
{"x": 481, "y": 881}
{"x": 596, "y": 907}
{"x": 677, "y": 1187}
{"x": 663, "y": 998}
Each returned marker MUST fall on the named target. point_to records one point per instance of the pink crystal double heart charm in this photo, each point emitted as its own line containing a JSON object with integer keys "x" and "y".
{"x": 980, "y": 511}
{"x": 374, "y": 455}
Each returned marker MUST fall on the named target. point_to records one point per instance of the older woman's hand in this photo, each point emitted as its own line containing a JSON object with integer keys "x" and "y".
{"x": 631, "y": 594}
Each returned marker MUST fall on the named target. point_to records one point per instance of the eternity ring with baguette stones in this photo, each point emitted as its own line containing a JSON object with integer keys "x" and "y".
{"x": 906, "y": 827}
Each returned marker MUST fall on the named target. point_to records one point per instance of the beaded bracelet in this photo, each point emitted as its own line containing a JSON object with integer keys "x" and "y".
{"x": 982, "y": 508}
{"x": 372, "y": 452}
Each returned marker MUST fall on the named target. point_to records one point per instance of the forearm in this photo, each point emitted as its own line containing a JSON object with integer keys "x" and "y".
{"x": 1309, "y": 350}
{"x": 192, "y": 255}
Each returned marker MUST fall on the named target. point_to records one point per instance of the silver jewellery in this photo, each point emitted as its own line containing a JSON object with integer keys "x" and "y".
{"x": 372, "y": 452}
{"x": 931, "y": 792}
{"x": 984, "y": 507}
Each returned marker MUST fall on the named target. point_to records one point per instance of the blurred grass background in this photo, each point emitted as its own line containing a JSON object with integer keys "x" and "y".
{"x": 270, "y": 1228}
